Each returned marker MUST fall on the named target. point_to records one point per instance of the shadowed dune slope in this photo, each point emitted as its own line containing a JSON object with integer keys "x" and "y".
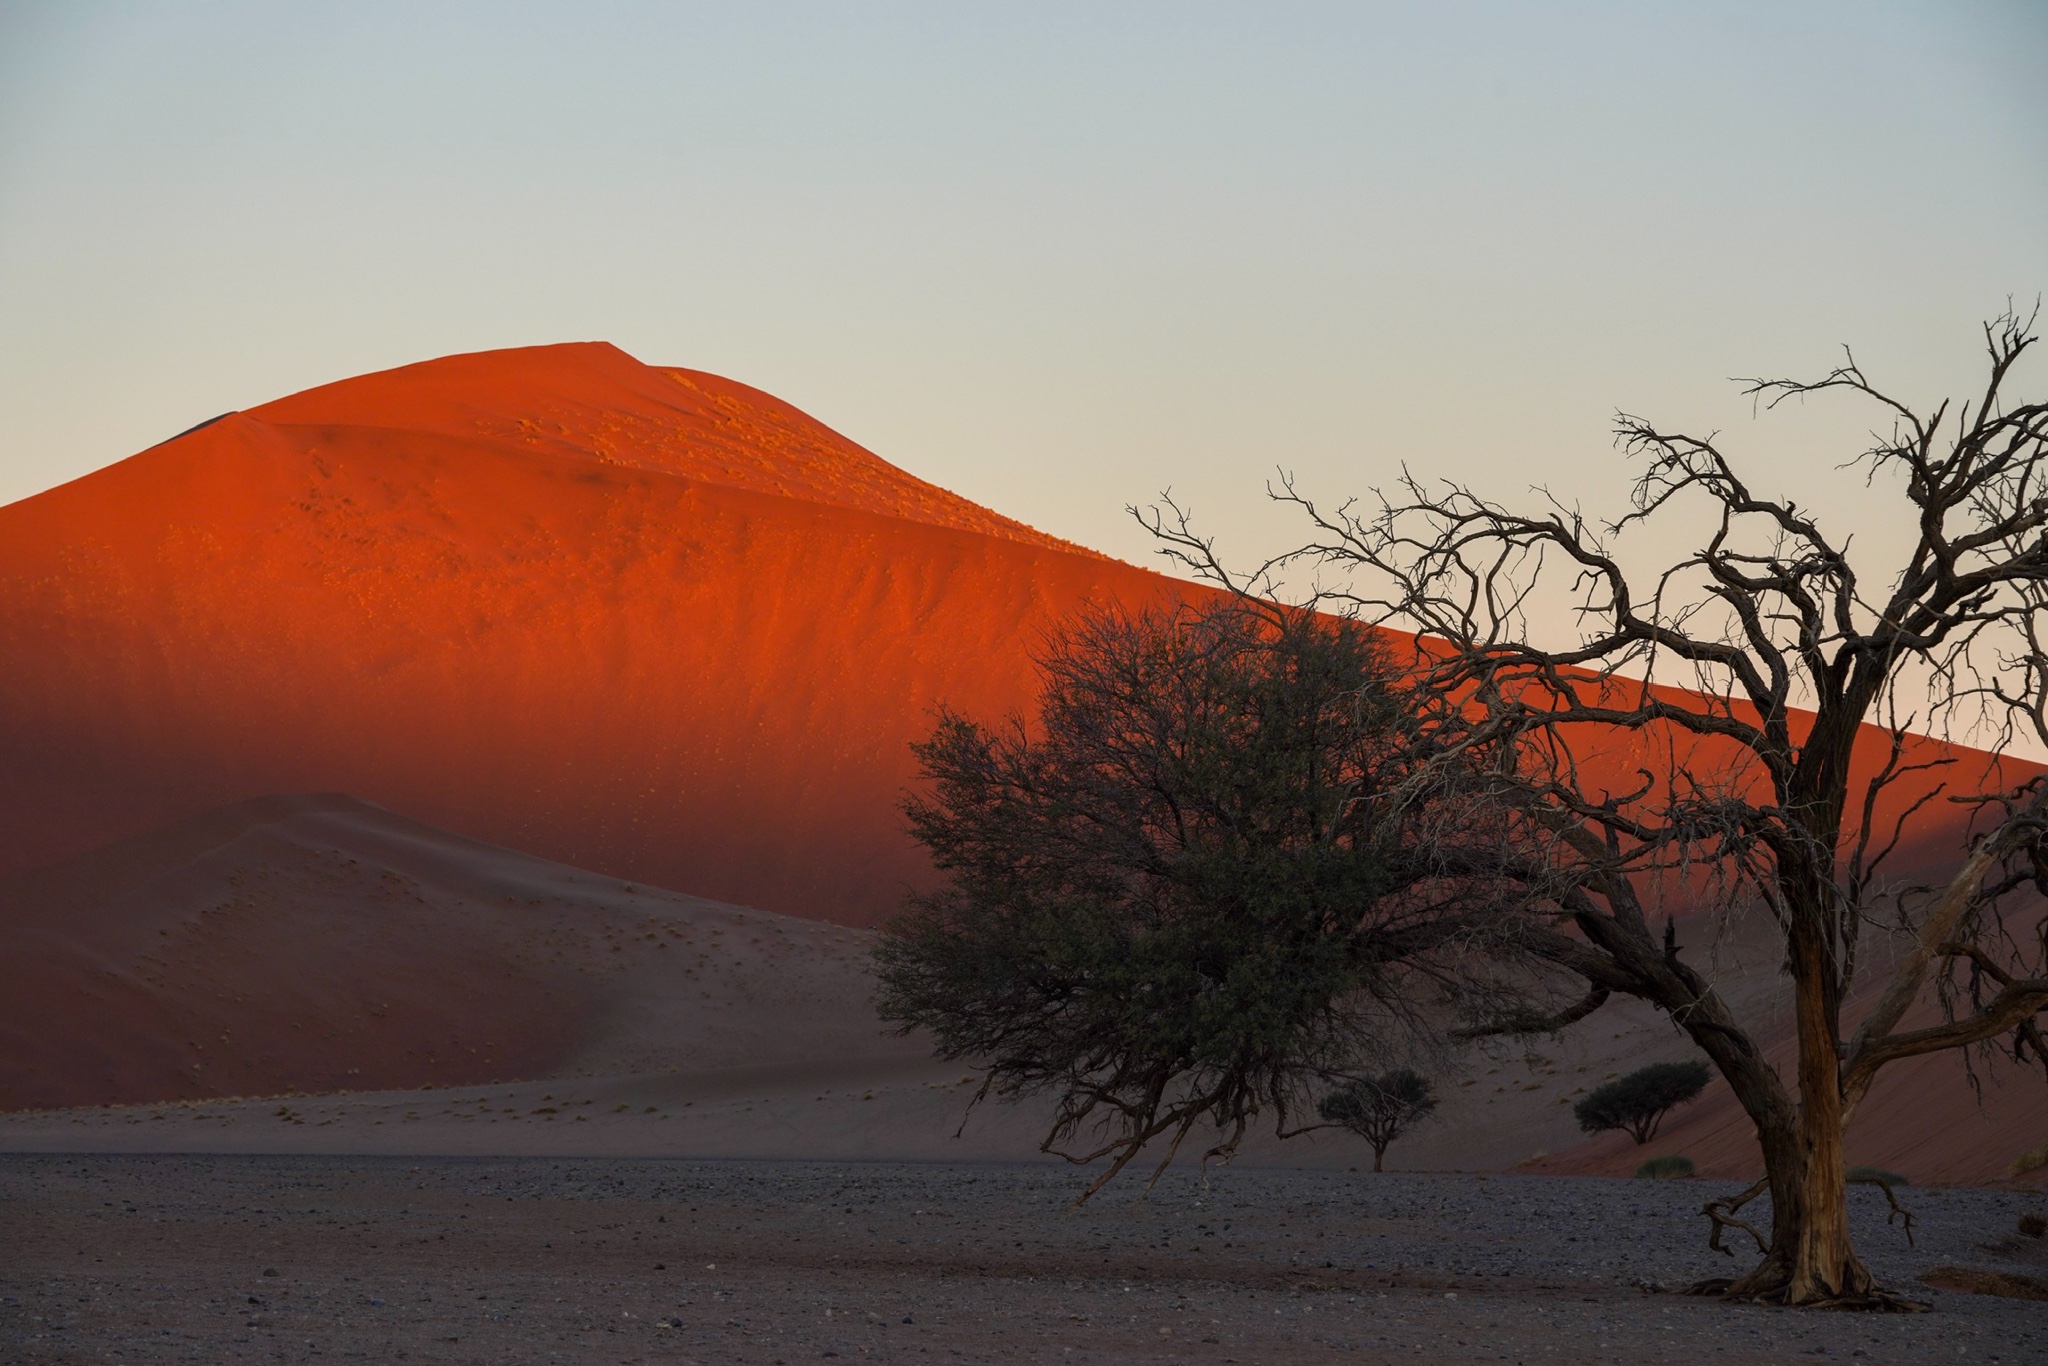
{"x": 319, "y": 944}
{"x": 322, "y": 944}
{"x": 644, "y": 621}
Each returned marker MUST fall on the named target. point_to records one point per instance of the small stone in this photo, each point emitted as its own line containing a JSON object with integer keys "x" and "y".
{"x": 270, "y": 1271}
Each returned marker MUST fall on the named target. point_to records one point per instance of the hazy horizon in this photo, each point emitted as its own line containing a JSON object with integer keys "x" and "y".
{"x": 1054, "y": 260}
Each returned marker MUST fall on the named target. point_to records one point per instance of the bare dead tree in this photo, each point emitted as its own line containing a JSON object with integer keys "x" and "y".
{"x": 1744, "y": 727}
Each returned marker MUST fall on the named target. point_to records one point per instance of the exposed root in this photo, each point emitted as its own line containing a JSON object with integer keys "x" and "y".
{"x": 1872, "y": 1301}
{"x": 1762, "y": 1287}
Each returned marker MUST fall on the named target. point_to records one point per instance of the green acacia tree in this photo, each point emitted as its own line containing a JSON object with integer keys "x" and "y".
{"x": 1639, "y": 1101}
{"x": 1199, "y": 886}
{"x": 1380, "y": 1109}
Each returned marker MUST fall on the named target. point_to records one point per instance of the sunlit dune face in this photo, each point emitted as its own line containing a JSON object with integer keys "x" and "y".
{"x": 644, "y": 621}
{"x": 592, "y": 401}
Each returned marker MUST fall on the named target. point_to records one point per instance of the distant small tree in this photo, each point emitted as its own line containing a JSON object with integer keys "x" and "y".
{"x": 1381, "y": 1109}
{"x": 1639, "y": 1101}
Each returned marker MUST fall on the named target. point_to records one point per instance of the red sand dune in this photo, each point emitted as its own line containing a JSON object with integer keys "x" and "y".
{"x": 647, "y": 622}
{"x": 644, "y": 621}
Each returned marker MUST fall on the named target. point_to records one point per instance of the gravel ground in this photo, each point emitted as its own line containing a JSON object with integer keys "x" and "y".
{"x": 260, "y": 1259}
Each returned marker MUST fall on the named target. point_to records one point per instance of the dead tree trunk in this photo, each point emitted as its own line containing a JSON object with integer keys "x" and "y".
{"x": 1811, "y": 1259}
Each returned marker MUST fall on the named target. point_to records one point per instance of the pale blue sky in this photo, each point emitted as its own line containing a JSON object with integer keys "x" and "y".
{"x": 1052, "y": 256}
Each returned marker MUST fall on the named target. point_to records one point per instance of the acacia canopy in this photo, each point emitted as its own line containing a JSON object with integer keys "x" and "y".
{"x": 1639, "y": 1101}
{"x": 1199, "y": 884}
{"x": 1380, "y": 1109}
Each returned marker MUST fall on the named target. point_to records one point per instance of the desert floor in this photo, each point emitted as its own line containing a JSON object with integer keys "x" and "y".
{"x": 218, "y": 1258}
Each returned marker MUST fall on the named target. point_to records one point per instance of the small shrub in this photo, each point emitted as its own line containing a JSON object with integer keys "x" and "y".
{"x": 1877, "y": 1176}
{"x": 1638, "y": 1101}
{"x": 2033, "y": 1225}
{"x": 1666, "y": 1167}
{"x": 2033, "y": 1159}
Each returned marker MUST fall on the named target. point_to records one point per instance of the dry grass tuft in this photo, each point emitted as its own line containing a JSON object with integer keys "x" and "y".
{"x": 2033, "y": 1159}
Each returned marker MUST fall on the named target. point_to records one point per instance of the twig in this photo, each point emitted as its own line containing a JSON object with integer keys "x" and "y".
{"x": 1722, "y": 1212}
{"x": 1899, "y": 1211}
